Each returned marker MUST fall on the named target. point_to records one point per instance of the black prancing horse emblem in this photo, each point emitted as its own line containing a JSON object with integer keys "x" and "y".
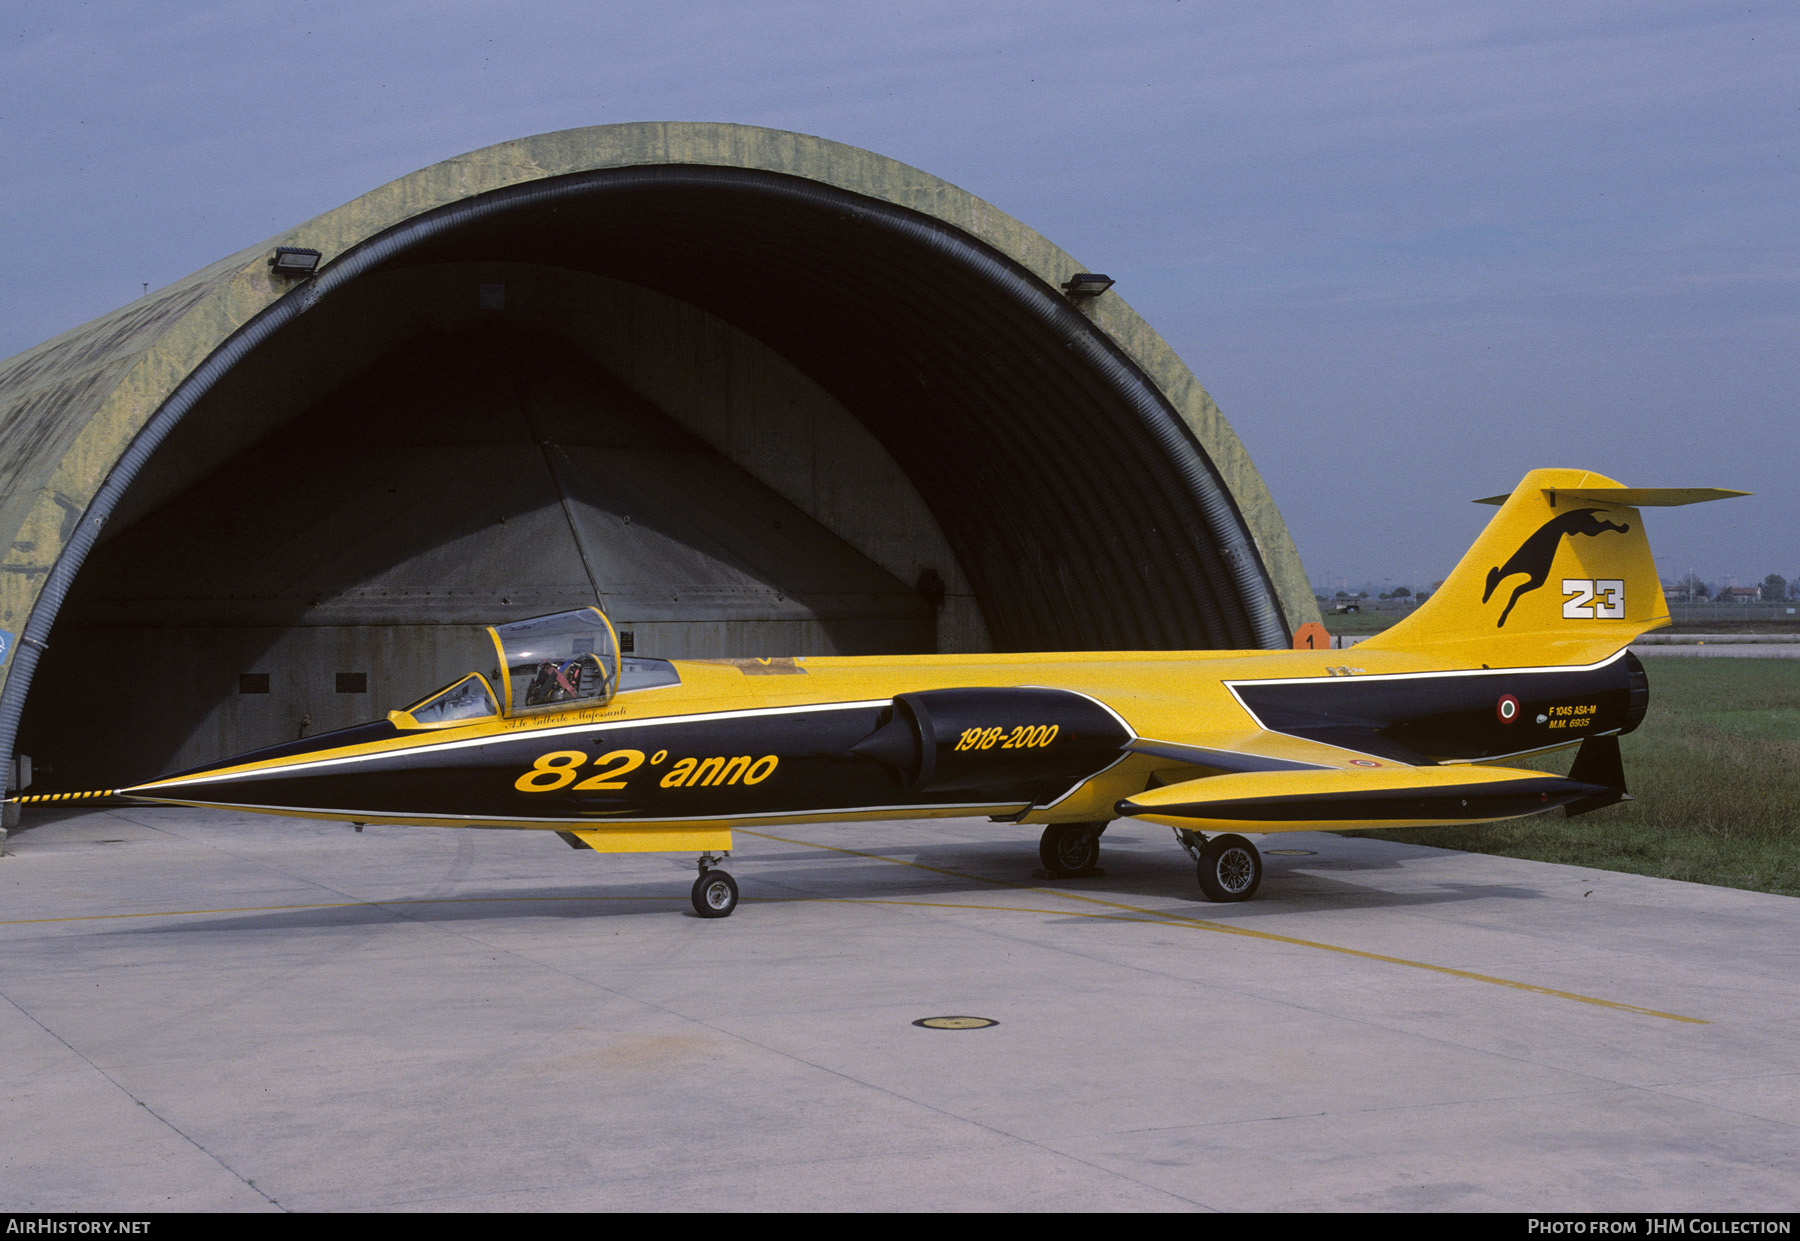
{"x": 1538, "y": 552}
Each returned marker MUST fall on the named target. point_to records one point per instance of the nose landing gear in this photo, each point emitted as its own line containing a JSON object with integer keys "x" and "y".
{"x": 715, "y": 893}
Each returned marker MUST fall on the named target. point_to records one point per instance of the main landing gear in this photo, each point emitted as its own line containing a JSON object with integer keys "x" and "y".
{"x": 1070, "y": 850}
{"x": 1228, "y": 866}
{"x": 715, "y": 892}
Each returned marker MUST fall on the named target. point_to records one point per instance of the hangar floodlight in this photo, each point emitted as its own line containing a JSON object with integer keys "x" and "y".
{"x": 1087, "y": 284}
{"x": 294, "y": 261}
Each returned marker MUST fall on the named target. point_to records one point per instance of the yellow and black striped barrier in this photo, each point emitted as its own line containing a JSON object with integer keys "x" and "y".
{"x": 45, "y": 798}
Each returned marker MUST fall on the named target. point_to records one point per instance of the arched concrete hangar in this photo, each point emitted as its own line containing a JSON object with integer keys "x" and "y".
{"x": 756, "y": 393}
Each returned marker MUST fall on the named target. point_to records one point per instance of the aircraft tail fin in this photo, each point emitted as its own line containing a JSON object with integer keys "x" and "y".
{"x": 1565, "y": 561}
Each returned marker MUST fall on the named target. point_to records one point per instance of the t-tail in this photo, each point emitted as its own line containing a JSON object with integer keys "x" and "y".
{"x": 1562, "y": 574}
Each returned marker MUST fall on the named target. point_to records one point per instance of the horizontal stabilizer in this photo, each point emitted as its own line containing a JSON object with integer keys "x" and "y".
{"x": 1632, "y": 497}
{"x": 1344, "y": 800}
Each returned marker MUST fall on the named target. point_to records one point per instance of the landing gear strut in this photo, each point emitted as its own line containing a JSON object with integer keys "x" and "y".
{"x": 715, "y": 893}
{"x": 1070, "y": 849}
{"x": 1228, "y": 866}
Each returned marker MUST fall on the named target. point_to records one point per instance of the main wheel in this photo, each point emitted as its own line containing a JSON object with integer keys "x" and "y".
{"x": 715, "y": 894}
{"x": 1070, "y": 848}
{"x": 1230, "y": 869}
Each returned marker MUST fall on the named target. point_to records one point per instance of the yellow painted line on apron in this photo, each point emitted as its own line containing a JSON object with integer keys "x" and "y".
{"x": 1225, "y": 928}
{"x": 1002, "y": 909}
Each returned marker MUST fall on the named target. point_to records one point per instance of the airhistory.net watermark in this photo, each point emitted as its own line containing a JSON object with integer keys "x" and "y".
{"x": 51, "y": 1226}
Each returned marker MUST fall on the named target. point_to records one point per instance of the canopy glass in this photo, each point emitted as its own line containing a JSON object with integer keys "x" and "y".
{"x": 548, "y": 663}
{"x": 561, "y": 660}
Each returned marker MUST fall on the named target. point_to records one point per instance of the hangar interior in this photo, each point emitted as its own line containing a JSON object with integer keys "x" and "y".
{"x": 449, "y": 445}
{"x": 744, "y": 413}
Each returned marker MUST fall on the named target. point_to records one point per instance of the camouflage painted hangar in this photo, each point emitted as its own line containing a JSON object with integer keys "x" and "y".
{"x": 754, "y": 393}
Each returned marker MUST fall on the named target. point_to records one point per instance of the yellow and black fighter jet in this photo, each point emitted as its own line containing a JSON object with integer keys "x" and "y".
{"x": 1522, "y": 650}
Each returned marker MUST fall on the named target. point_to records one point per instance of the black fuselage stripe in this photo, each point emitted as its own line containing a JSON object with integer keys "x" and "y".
{"x": 373, "y": 816}
{"x": 1445, "y": 716}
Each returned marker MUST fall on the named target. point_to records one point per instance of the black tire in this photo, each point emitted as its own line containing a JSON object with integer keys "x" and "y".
{"x": 715, "y": 894}
{"x": 1070, "y": 848}
{"x": 1230, "y": 869}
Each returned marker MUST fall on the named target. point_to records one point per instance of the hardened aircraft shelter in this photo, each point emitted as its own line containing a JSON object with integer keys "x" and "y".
{"x": 752, "y": 392}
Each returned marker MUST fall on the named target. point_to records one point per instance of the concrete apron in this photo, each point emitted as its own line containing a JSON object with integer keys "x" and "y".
{"x": 215, "y": 1011}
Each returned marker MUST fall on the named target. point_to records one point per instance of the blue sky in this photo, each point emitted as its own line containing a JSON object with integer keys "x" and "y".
{"x": 1413, "y": 250}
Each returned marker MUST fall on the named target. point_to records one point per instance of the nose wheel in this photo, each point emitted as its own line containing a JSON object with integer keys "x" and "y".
{"x": 715, "y": 893}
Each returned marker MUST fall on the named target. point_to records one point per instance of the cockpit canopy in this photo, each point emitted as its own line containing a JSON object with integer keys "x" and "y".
{"x": 563, "y": 659}
{"x": 547, "y": 663}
